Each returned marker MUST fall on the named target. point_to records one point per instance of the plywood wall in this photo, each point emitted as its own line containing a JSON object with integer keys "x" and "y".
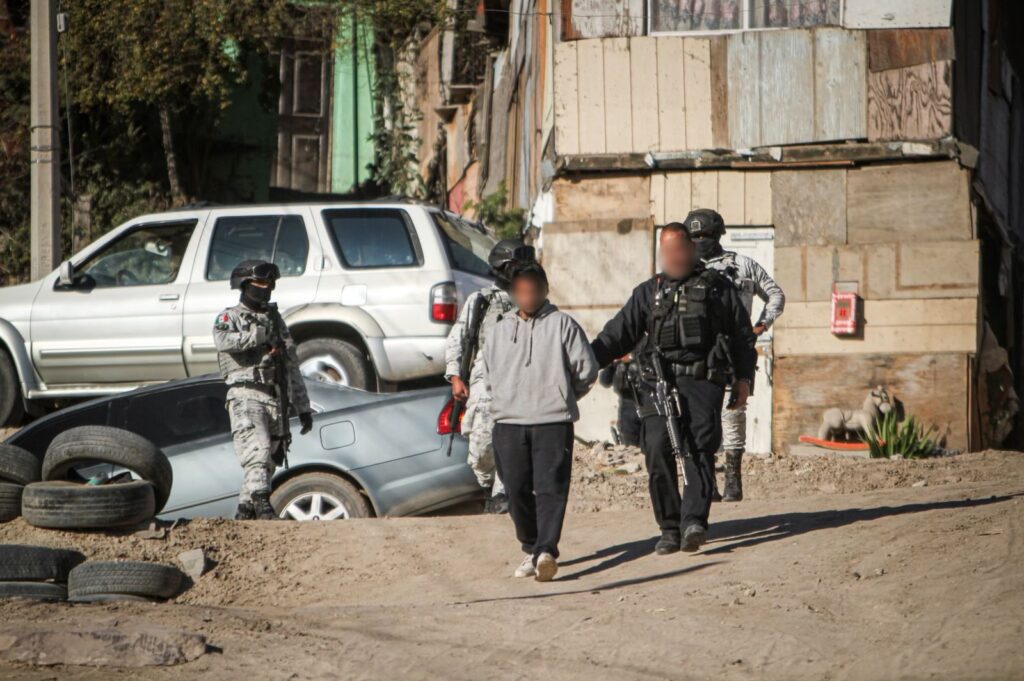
{"x": 932, "y": 387}
{"x": 742, "y": 197}
{"x": 788, "y": 87}
{"x": 913, "y": 102}
{"x": 635, "y": 94}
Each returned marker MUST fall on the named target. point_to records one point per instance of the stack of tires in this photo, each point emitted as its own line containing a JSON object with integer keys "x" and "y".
{"x": 45, "y": 574}
{"x": 18, "y": 468}
{"x": 36, "y": 572}
{"x": 65, "y": 500}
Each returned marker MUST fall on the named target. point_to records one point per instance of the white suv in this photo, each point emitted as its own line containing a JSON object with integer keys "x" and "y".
{"x": 369, "y": 292}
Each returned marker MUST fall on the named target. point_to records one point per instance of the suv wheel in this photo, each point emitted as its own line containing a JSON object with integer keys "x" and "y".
{"x": 319, "y": 496}
{"x": 12, "y": 410}
{"x": 330, "y": 360}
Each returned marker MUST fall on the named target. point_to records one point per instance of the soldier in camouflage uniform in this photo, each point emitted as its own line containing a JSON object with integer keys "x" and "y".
{"x": 249, "y": 337}
{"x": 476, "y": 421}
{"x": 706, "y": 228}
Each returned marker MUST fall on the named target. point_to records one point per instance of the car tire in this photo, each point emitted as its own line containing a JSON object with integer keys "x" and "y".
{"x": 331, "y": 360}
{"x": 37, "y": 591}
{"x": 115, "y": 446}
{"x": 124, "y": 578}
{"x": 12, "y": 409}
{"x": 10, "y": 501}
{"x": 318, "y": 496}
{"x": 18, "y": 465}
{"x": 67, "y": 505}
{"x": 20, "y": 563}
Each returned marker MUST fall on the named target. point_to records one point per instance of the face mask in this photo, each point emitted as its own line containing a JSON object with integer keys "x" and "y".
{"x": 707, "y": 248}
{"x": 256, "y": 297}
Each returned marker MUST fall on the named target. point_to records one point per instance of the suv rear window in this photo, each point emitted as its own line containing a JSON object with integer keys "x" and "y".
{"x": 280, "y": 239}
{"x": 468, "y": 243}
{"x": 372, "y": 237}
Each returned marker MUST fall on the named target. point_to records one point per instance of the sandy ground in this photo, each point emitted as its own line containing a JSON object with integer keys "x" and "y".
{"x": 830, "y": 570}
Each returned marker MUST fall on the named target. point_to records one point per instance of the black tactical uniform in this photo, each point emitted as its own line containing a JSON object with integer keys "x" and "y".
{"x": 693, "y": 323}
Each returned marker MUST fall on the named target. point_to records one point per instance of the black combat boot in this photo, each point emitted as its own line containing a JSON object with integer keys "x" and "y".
{"x": 261, "y": 504}
{"x": 669, "y": 542}
{"x": 694, "y": 536}
{"x": 245, "y": 511}
{"x": 733, "y": 477}
{"x": 497, "y": 505}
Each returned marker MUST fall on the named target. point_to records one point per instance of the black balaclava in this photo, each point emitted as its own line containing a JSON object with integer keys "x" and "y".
{"x": 503, "y": 276}
{"x": 708, "y": 247}
{"x": 256, "y": 297}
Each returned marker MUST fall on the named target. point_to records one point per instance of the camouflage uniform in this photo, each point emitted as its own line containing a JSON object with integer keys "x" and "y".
{"x": 750, "y": 279}
{"x": 477, "y": 419}
{"x": 244, "y": 337}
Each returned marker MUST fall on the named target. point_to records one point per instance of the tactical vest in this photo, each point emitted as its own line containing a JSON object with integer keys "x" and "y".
{"x": 681, "y": 320}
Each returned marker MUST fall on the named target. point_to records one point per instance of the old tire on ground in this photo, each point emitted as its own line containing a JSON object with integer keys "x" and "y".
{"x": 10, "y": 501}
{"x": 331, "y": 360}
{"x": 67, "y": 505}
{"x": 36, "y": 563}
{"x": 39, "y": 591}
{"x": 84, "y": 444}
{"x": 18, "y": 465}
{"x": 12, "y": 409}
{"x": 131, "y": 578}
{"x": 319, "y": 496}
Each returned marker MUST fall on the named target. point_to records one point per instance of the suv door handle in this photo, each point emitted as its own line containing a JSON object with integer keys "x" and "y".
{"x": 169, "y": 296}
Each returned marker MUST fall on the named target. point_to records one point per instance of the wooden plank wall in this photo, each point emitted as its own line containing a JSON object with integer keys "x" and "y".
{"x": 902, "y": 235}
{"x": 897, "y": 13}
{"x": 789, "y": 87}
{"x": 619, "y": 95}
{"x": 931, "y": 386}
{"x": 742, "y": 197}
{"x": 602, "y": 18}
{"x": 752, "y": 89}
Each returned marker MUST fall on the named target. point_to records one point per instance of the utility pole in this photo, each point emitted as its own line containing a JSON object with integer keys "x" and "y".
{"x": 45, "y": 136}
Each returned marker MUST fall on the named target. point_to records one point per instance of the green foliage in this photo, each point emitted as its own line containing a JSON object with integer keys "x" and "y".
{"x": 893, "y": 438}
{"x": 14, "y": 158}
{"x": 129, "y": 53}
{"x": 492, "y": 211}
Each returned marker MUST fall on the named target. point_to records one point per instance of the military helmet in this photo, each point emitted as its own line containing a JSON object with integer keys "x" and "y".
{"x": 705, "y": 222}
{"x": 249, "y": 270}
{"x": 510, "y": 251}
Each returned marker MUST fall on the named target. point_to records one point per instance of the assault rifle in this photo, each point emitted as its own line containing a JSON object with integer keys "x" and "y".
{"x": 281, "y": 374}
{"x": 470, "y": 344}
{"x": 667, "y": 403}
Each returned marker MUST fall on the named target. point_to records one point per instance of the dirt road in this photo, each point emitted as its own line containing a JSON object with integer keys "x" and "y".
{"x": 914, "y": 573}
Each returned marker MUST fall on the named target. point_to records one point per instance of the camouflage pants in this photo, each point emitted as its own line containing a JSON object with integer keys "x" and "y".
{"x": 256, "y": 431}
{"x": 734, "y": 427}
{"x": 478, "y": 426}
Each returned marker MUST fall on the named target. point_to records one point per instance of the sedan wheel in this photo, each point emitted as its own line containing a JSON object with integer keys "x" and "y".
{"x": 315, "y": 506}
{"x": 319, "y": 496}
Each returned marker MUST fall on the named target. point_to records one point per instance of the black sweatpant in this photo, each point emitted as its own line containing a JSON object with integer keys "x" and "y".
{"x": 701, "y": 429}
{"x": 535, "y": 463}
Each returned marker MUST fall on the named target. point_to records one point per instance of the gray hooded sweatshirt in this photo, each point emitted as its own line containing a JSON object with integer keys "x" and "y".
{"x": 537, "y": 368}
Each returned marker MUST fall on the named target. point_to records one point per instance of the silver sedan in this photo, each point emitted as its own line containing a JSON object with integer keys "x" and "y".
{"x": 369, "y": 454}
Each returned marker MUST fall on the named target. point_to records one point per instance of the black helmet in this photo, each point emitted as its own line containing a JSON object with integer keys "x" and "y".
{"x": 248, "y": 270}
{"x": 705, "y": 222}
{"x": 510, "y": 251}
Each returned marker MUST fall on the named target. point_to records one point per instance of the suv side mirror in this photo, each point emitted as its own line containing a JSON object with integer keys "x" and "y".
{"x": 66, "y": 276}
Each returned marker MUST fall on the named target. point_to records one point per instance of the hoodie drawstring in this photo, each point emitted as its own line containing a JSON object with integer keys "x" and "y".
{"x": 529, "y": 339}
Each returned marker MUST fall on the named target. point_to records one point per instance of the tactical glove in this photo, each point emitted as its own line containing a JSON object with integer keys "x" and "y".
{"x": 306, "y": 419}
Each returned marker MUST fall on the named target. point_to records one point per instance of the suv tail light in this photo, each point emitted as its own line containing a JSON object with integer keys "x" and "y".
{"x": 444, "y": 419}
{"x": 444, "y": 303}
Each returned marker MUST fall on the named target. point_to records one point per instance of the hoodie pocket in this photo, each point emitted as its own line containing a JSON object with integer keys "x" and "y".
{"x": 551, "y": 404}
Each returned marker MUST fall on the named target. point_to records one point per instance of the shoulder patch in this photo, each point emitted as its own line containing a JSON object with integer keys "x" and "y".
{"x": 223, "y": 322}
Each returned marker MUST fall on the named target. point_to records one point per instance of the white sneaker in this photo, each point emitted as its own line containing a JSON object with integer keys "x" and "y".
{"x": 526, "y": 568}
{"x": 547, "y": 567}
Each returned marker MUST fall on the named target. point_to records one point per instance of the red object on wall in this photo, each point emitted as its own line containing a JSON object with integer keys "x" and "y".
{"x": 844, "y": 313}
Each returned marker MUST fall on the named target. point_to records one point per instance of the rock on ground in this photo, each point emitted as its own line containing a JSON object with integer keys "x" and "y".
{"x": 142, "y": 645}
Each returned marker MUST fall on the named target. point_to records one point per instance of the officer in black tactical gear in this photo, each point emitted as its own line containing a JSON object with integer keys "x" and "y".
{"x": 698, "y": 341}
{"x": 252, "y": 342}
